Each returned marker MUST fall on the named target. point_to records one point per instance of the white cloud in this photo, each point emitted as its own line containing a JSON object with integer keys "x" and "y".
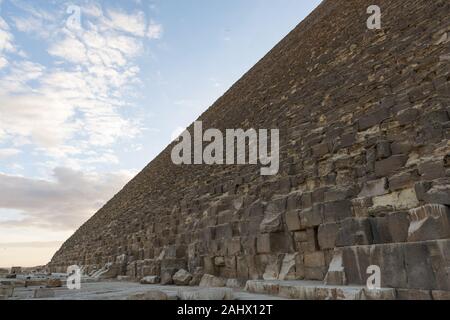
{"x": 134, "y": 23}
{"x": 63, "y": 203}
{"x": 154, "y": 30}
{"x": 8, "y": 152}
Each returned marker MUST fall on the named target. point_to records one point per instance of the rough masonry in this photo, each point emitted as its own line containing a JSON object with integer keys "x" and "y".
{"x": 364, "y": 119}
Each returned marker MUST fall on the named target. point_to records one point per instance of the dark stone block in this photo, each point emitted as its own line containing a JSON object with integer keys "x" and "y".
{"x": 418, "y": 267}
{"x": 385, "y": 167}
{"x": 337, "y": 210}
{"x": 354, "y": 231}
{"x": 373, "y": 119}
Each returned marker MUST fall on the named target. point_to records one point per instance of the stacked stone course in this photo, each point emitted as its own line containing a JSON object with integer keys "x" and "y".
{"x": 364, "y": 123}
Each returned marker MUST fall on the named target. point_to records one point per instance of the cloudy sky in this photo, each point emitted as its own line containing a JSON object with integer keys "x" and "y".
{"x": 91, "y": 91}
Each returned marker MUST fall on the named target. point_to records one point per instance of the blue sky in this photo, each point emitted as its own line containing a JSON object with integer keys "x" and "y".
{"x": 91, "y": 91}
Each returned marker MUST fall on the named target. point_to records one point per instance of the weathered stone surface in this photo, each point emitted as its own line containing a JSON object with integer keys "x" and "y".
{"x": 54, "y": 283}
{"x": 357, "y": 141}
{"x": 288, "y": 267}
{"x": 6, "y": 291}
{"x": 413, "y": 294}
{"x": 429, "y": 222}
{"x": 293, "y": 220}
{"x": 182, "y": 278}
{"x": 157, "y": 295}
{"x": 207, "y": 294}
{"x": 327, "y": 235}
{"x": 390, "y": 165}
{"x": 374, "y": 188}
{"x": 43, "y": 293}
{"x": 212, "y": 281}
{"x": 354, "y": 231}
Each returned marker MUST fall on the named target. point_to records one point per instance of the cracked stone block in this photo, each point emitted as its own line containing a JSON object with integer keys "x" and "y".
{"x": 429, "y": 222}
{"x": 288, "y": 267}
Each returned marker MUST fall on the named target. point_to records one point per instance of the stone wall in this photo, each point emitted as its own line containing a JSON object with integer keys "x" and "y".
{"x": 364, "y": 124}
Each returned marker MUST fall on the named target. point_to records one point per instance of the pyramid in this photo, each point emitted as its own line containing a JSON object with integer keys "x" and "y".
{"x": 364, "y": 177}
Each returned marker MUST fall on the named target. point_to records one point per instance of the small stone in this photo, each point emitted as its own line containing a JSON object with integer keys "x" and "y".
{"x": 182, "y": 278}
{"x": 150, "y": 280}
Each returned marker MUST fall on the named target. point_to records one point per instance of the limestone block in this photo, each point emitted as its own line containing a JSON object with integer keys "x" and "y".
{"x": 403, "y": 180}
{"x": 392, "y": 228}
{"x": 374, "y": 188}
{"x": 311, "y": 217}
{"x": 272, "y": 222}
{"x": 54, "y": 283}
{"x": 182, "y": 278}
{"x": 380, "y": 294}
{"x": 262, "y": 287}
{"x": 439, "y": 193}
{"x": 405, "y": 199}
{"x": 43, "y": 293}
{"x": 7, "y": 291}
{"x": 293, "y": 220}
{"x": 336, "y": 272}
{"x": 360, "y": 206}
{"x": 327, "y": 235}
{"x": 432, "y": 169}
{"x": 337, "y": 211}
{"x": 288, "y": 267}
{"x": 212, "y": 281}
{"x": 273, "y": 267}
{"x": 429, "y": 222}
{"x": 390, "y": 165}
{"x": 340, "y": 193}
{"x": 440, "y": 295}
{"x": 354, "y": 231}
{"x": 315, "y": 259}
{"x": 413, "y": 294}
{"x": 274, "y": 243}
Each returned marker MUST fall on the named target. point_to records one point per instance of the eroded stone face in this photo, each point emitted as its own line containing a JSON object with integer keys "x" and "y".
{"x": 364, "y": 169}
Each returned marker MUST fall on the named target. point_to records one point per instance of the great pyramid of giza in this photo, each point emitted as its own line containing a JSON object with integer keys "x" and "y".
{"x": 364, "y": 176}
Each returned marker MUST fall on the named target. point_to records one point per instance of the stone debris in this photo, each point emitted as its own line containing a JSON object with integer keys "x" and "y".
{"x": 182, "y": 278}
{"x": 150, "y": 280}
